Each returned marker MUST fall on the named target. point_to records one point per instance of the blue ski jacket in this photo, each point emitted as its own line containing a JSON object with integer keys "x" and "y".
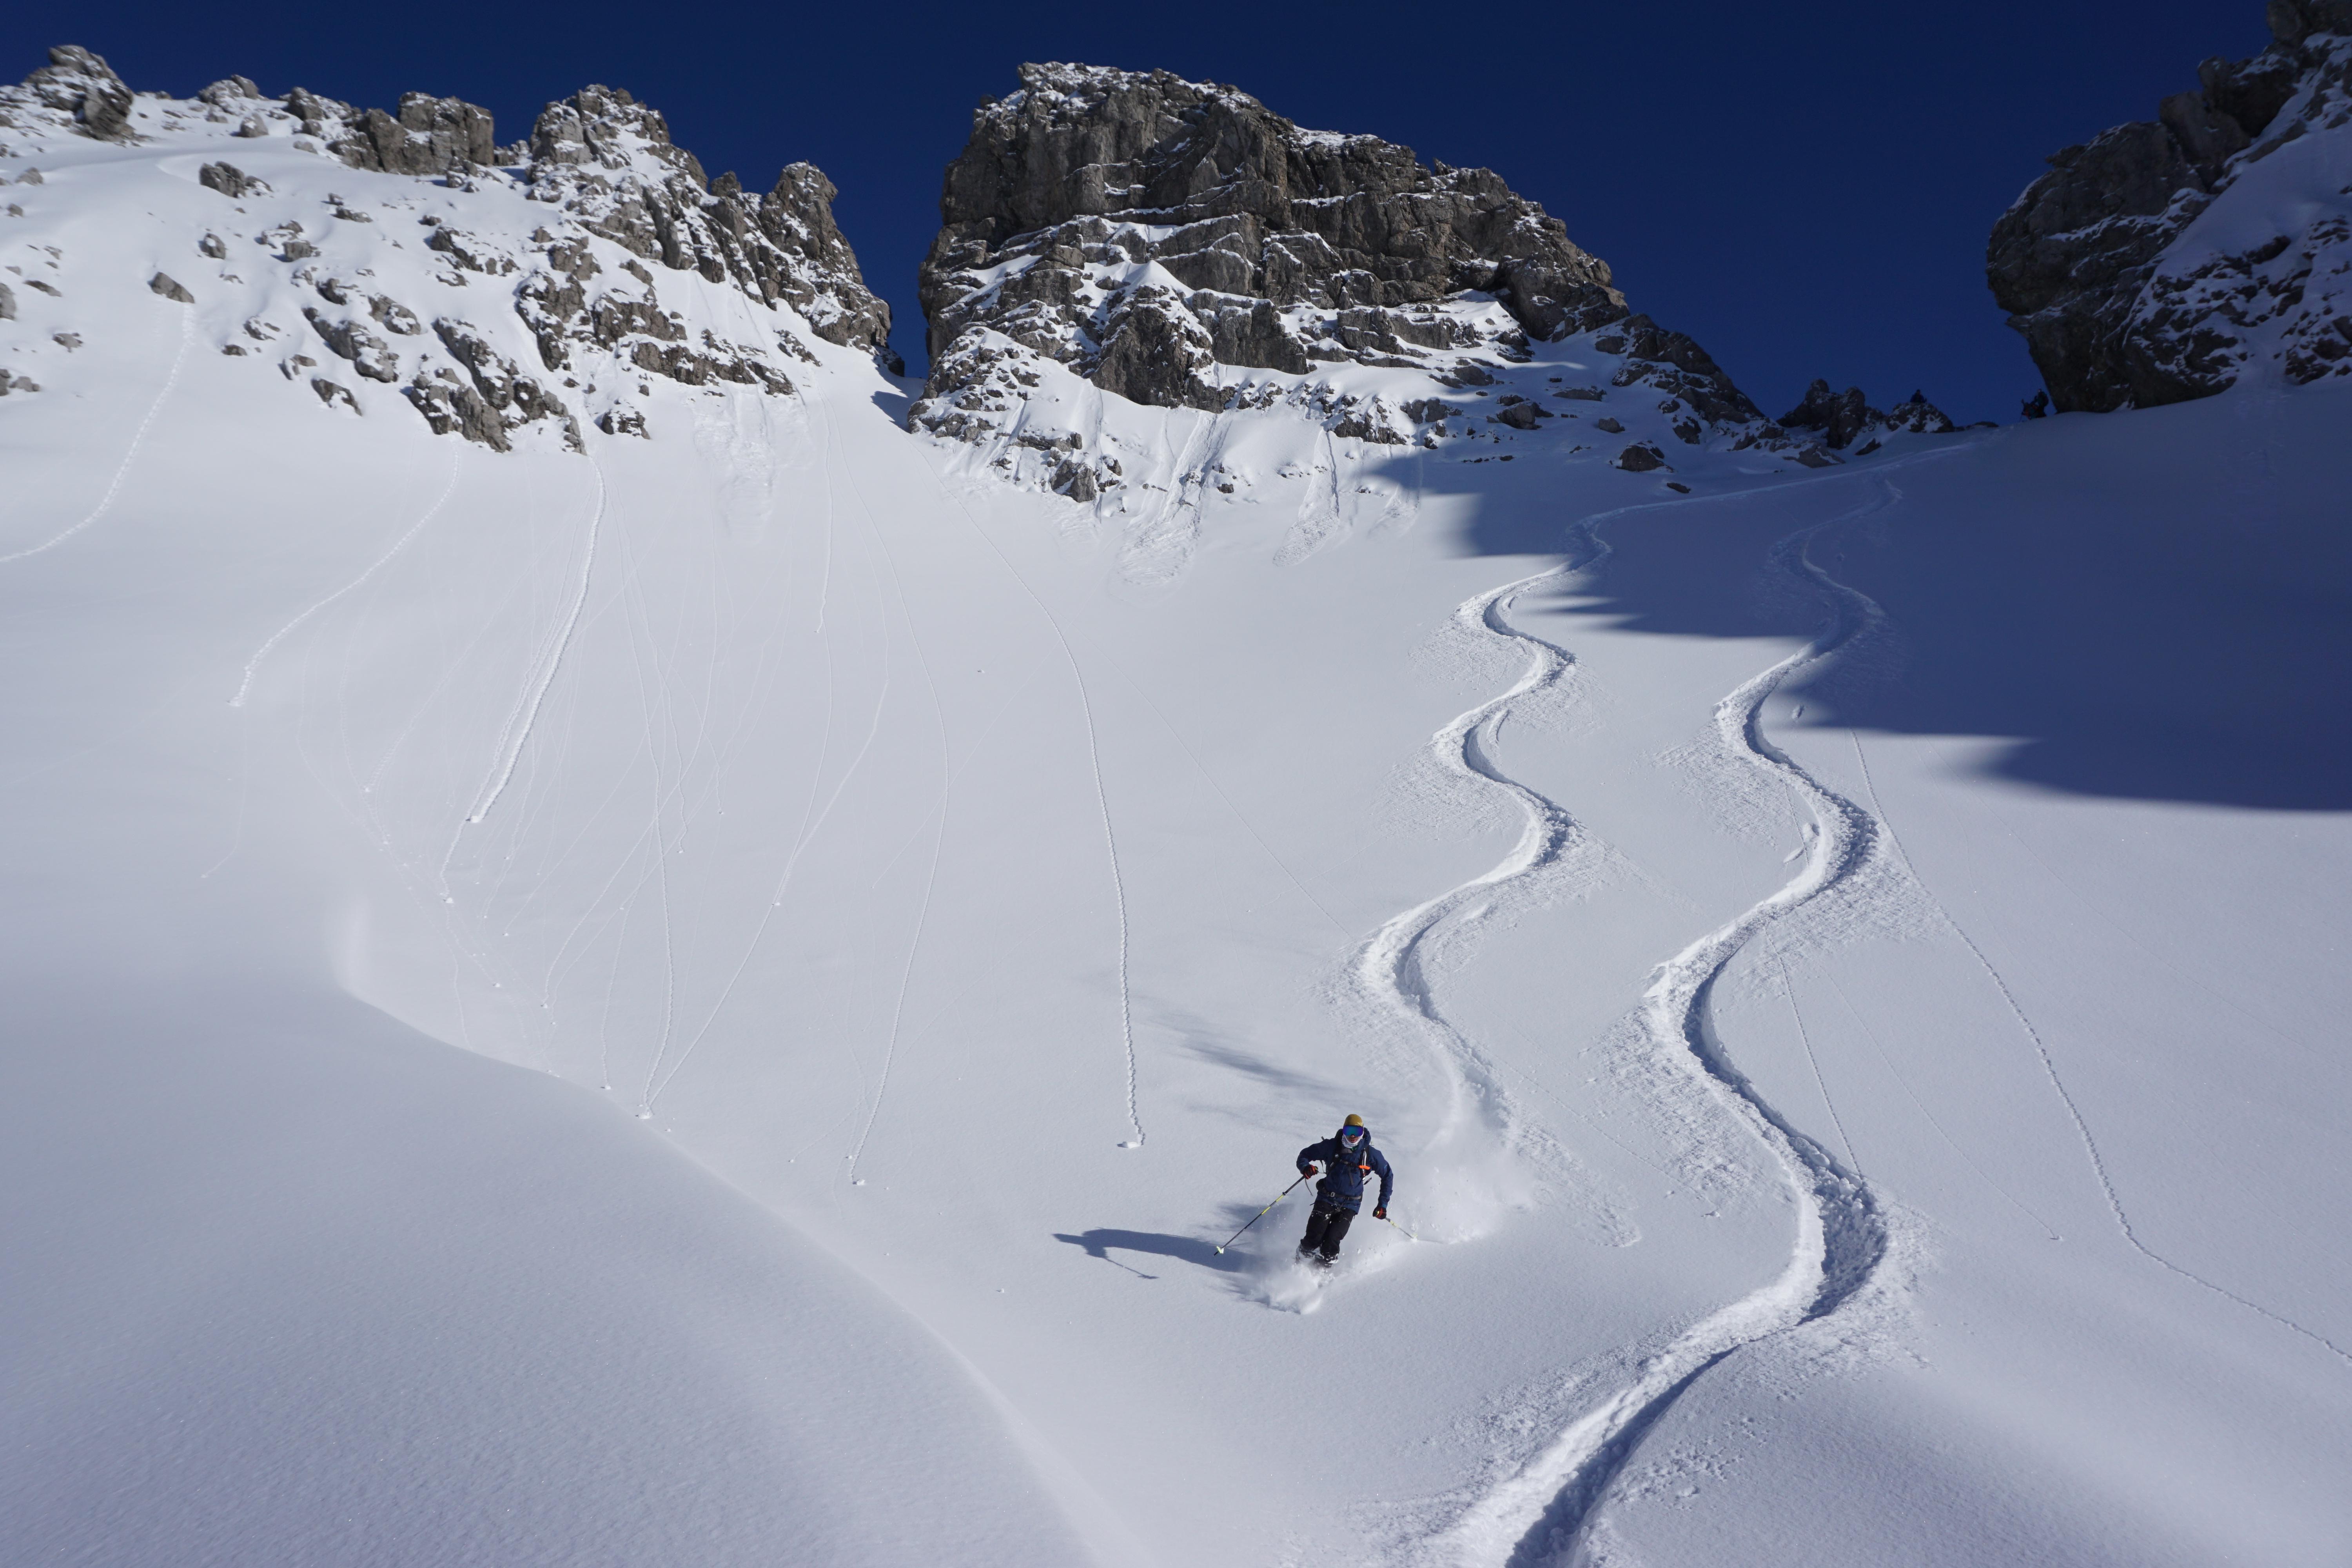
{"x": 1343, "y": 1185}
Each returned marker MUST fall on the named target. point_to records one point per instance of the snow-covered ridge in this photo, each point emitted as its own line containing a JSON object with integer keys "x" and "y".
{"x": 1117, "y": 241}
{"x": 502, "y": 293}
{"x": 2162, "y": 259}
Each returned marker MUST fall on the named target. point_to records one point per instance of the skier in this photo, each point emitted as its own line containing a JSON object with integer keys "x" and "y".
{"x": 1349, "y": 1157}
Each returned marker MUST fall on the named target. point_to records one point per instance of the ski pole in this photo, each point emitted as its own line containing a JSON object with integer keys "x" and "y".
{"x": 1407, "y": 1235}
{"x": 1263, "y": 1212}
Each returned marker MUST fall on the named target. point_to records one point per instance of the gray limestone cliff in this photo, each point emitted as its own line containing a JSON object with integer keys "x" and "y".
{"x": 610, "y": 158}
{"x": 2155, "y": 262}
{"x": 1164, "y": 238}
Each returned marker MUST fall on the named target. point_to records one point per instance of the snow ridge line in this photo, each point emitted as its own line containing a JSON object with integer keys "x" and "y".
{"x": 526, "y": 714}
{"x": 2081, "y": 1129}
{"x": 1544, "y": 1512}
{"x": 137, "y": 438}
{"x": 1388, "y": 965}
{"x": 253, "y": 664}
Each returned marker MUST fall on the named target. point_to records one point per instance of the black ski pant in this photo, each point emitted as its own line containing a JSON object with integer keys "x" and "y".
{"x": 1326, "y": 1226}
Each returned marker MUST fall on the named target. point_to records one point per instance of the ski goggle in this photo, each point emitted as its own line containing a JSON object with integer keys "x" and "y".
{"x": 1352, "y": 1135}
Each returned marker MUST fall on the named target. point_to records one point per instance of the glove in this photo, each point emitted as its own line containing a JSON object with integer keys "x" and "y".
{"x": 1381, "y": 1211}
{"x": 1306, "y": 1172}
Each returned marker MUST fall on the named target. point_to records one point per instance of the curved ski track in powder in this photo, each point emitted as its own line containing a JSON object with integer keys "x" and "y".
{"x": 1102, "y": 807}
{"x": 2074, "y": 1111}
{"x": 1388, "y": 967}
{"x": 1542, "y": 1513}
{"x": 253, "y": 664}
{"x": 138, "y": 440}
{"x": 526, "y": 713}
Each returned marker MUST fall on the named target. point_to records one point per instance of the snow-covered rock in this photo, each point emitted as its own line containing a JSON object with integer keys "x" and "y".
{"x": 2160, "y": 259}
{"x": 81, "y": 90}
{"x": 1846, "y": 420}
{"x": 1178, "y": 245}
{"x": 506, "y": 294}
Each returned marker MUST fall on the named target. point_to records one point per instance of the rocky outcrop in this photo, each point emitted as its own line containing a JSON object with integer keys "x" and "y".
{"x": 1179, "y": 245}
{"x": 228, "y": 180}
{"x": 566, "y": 339}
{"x": 1241, "y": 206}
{"x": 428, "y": 136}
{"x": 80, "y": 89}
{"x": 2129, "y": 294}
{"x": 609, "y": 158}
{"x": 1697, "y": 392}
{"x": 1844, "y": 419}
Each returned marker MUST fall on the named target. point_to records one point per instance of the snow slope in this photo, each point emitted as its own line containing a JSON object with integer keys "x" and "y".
{"x": 1845, "y": 962}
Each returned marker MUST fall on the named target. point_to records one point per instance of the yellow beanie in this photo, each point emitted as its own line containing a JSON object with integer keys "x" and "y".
{"x": 1353, "y": 1121}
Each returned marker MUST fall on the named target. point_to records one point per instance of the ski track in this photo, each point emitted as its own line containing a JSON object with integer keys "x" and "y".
{"x": 641, "y": 647}
{"x": 2073, "y": 1113}
{"x": 1542, "y": 1513}
{"x": 1805, "y": 1037}
{"x": 811, "y": 827}
{"x": 129, "y": 453}
{"x": 939, "y": 840}
{"x": 1102, "y": 807}
{"x": 526, "y": 713}
{"x": 253, "y": 664}
{"x": 1388, "y": 965}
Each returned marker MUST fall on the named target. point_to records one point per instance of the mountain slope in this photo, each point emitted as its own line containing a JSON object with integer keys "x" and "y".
{"x": 1828, "y": 1132}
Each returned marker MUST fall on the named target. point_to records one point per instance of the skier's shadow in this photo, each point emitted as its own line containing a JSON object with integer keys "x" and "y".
{"x": 1187, "y": 1249}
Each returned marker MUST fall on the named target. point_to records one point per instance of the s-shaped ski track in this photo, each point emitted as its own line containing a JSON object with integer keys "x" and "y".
{"x": 1388, "y": 967}
{"x": 1542, "y": 1514}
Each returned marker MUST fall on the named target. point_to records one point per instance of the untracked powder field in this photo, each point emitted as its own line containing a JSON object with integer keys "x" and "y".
{"x": 635, "y": 937}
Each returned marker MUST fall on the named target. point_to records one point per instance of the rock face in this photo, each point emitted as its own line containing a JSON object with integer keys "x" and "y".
{"x": 1177, "y": 244}
{"x": 610, "y": 158}
{"x": 2154, "y": 263}
{"x": 227, "y": 179}
{"x": 576, "y": 287}
{"x": 1846, "y": 417}
{"x": 1241, "y": 207}
{"x": 427, "y": 136}
{"x": 79, "y": 84}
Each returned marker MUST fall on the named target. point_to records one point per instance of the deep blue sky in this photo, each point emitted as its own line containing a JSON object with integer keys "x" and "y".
{"x": 1804, "y": 189}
